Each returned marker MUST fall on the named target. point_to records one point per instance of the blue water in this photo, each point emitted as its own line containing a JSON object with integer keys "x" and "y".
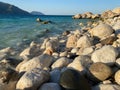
{"x": 14, "y": 29}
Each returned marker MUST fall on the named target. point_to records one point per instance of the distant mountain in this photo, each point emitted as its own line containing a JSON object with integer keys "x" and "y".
{"x": 8, "y": 9}
{"x": 36, "y": 13}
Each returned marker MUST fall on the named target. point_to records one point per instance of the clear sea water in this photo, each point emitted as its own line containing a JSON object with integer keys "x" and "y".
{"x": 15, "y": 29}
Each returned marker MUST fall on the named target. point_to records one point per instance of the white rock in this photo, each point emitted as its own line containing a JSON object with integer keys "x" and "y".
{"x": 32, "y": 79}
{"x": 60, "y": 63}
{"x": 74, "y": 50}
{"x": 118, "y": 62}
{"x": 106, "y": 87}
{"x": 30, "y": 52}
{"x": 72, "y": 41}
{"x": 84, "y": 42}
{"x": 42, "y": 61}
{"x": 117, "y": 77}
{"x": 63, "y": 54}
{"x": 107, "y": 54}
{"x": 87, "y": 51}
{"x": 81, "y": 63}
{"x": 43, "y": 46}
{"x": 102, "y": 30}
{"x": 50, "y": 86}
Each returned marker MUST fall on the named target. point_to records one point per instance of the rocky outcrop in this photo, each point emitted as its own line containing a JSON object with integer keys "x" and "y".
{"x": 87, "y": 15}
{"x": 109, "y": 14}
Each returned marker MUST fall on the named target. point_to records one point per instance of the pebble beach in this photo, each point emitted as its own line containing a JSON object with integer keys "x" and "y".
{"x": 84, "y": 59}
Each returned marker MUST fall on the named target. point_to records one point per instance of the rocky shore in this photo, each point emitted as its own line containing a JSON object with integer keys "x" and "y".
{"x": 85, "y": 59}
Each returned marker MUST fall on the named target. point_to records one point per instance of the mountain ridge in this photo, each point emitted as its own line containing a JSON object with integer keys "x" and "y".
{"x": 8, "y": 9}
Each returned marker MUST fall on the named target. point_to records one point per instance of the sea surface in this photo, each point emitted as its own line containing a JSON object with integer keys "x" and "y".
{"x": 16, "y": 29}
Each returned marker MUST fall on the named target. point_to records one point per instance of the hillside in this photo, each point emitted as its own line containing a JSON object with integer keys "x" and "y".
{"x": 8, "y": 9}
{"x": 36, "y": 13}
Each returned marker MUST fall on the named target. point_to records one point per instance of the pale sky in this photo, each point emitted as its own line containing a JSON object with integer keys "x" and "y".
{"x": 65, "y": 7}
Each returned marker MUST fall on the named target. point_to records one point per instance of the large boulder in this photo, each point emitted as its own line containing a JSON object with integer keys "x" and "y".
{"x": 107, "y": 54}
{"x": 31, "y": 80}
{"x": 50, "y": 86}
{"x": 102, "y": 30}
{"x": 42, "y": 61}
{"x": 84, "y": 42}
{"x": 99, "y": 72}
{"x": 106, "y": 87}
{"x": 73, "y": 80}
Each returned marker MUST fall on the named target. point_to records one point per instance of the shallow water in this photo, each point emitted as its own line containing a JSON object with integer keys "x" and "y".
{"x": 14, "y": 29}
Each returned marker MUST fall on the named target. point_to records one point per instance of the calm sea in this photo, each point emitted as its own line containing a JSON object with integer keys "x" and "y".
{"x": 15, "y": 29}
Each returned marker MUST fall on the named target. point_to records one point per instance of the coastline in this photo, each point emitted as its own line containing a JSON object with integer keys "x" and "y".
{"x": 87, "y": 58}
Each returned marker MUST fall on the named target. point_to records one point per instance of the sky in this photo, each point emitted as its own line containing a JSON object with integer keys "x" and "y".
{"x": 65, "y": 7}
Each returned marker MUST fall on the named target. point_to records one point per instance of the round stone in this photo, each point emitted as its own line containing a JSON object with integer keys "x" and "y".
{"x": 117, "y": 77}
{"x": 100, "y": 71}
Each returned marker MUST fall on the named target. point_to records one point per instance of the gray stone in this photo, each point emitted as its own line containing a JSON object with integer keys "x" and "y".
{"x": 50, "y": 86}
{"x": 72, "y": 79}
{"x": 107, "y": 54}
{"x": 31, "y": 80}
{"x": 55, "y": 76}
